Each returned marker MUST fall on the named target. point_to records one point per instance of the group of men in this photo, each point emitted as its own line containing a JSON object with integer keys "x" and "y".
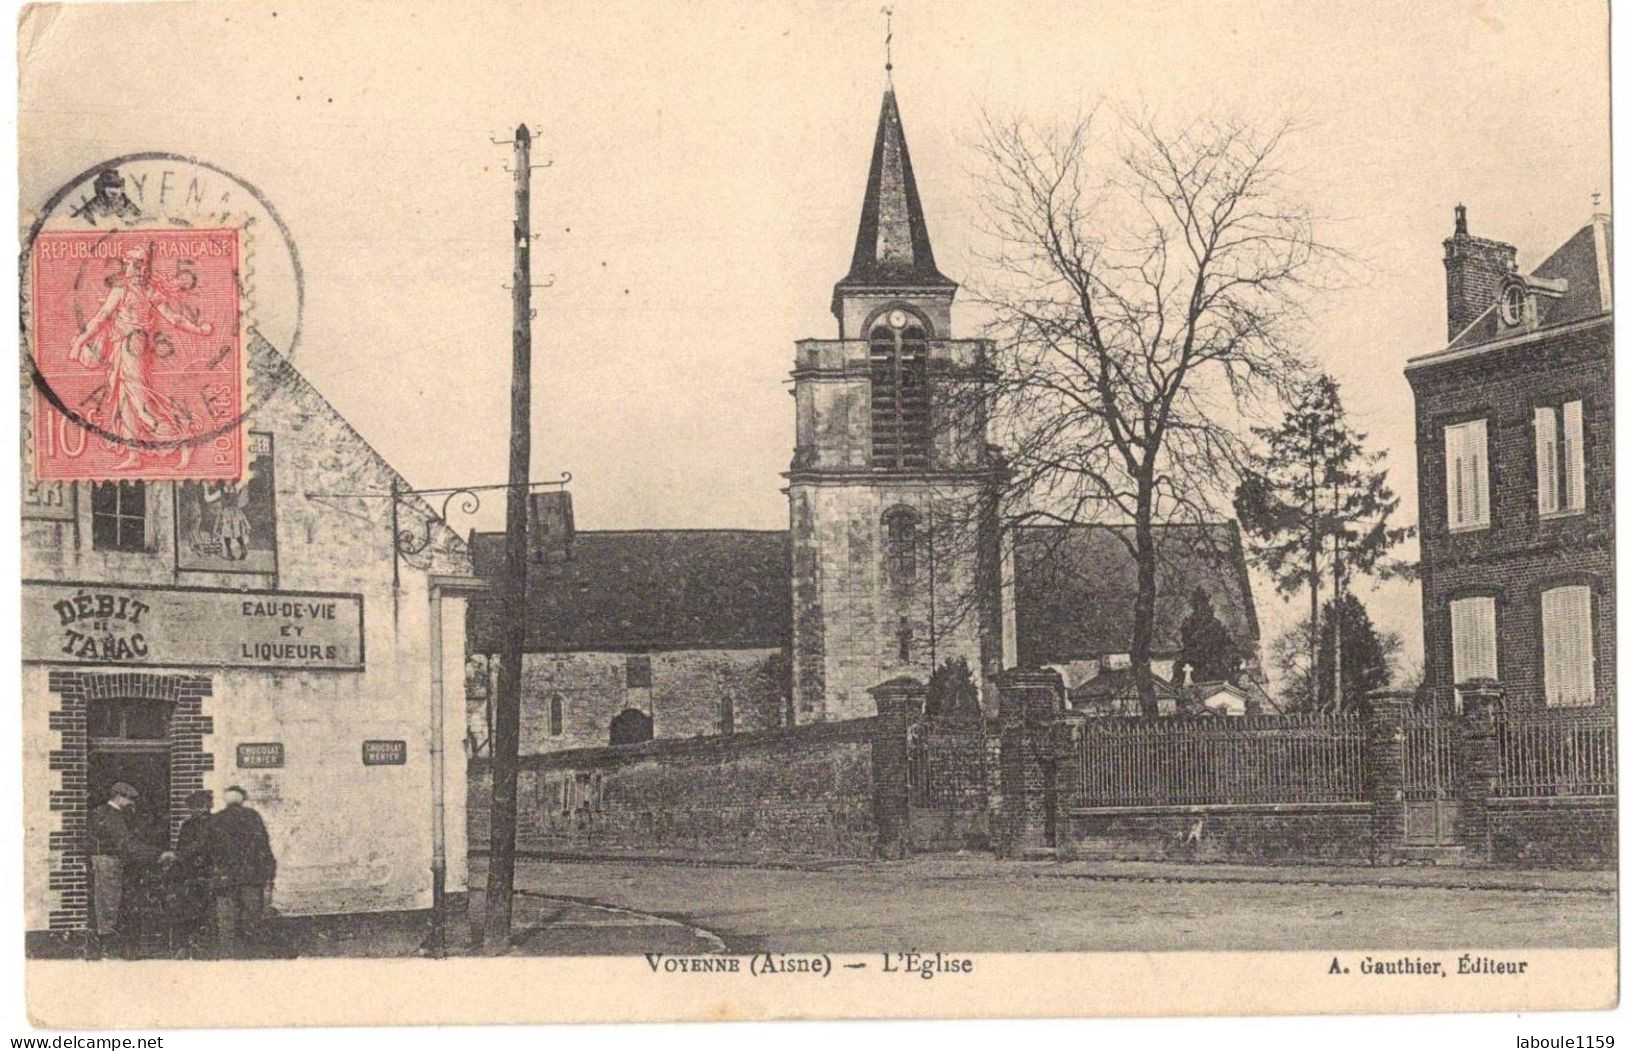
{"x": 216, "y": 883}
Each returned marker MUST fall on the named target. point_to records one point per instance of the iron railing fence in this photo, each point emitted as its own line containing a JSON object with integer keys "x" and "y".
{"x": 1261, "y": 759}
{"x": 950, "y": 764}
{"x": 1556, "y": 752}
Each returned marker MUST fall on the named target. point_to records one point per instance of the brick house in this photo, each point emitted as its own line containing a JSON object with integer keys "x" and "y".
{"x": 1515, "y": 446}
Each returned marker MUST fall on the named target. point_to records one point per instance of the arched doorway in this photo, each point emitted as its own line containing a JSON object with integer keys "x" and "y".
{"x": 631, "y": 727}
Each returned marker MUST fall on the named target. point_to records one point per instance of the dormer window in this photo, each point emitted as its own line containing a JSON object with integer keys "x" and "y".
{"x": 1513, "y": 305}
{"x": 898, "y": 395}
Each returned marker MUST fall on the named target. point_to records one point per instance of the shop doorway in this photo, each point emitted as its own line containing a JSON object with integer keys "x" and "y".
{"x": 129, "y": 741}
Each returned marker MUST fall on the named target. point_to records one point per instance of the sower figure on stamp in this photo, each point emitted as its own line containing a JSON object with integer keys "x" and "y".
{"x": 122, "y": 337}
{"x": 235, "y": 851}
{"x": 116, "y": 851}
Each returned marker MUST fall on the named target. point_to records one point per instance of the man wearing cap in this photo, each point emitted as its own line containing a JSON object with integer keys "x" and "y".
{"x": 236, "y": 853}
{"x": 115, "y": 850}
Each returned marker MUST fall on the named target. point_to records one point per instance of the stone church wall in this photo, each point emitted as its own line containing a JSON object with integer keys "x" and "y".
{"x": 805, "y": 790}
{"x": 690, "y": 693}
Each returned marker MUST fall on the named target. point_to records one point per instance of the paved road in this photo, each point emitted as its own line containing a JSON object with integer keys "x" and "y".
{"x": 948, "y": 905}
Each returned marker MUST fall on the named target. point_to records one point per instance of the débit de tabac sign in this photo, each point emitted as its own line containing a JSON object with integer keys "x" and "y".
{"x": 73, "y": 623}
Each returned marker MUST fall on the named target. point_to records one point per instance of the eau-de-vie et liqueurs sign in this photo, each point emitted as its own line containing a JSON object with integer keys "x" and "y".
{"x": 76, "y": 623}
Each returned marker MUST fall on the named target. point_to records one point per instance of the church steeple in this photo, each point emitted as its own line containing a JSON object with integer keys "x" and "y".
{"x": 893, "y": 250}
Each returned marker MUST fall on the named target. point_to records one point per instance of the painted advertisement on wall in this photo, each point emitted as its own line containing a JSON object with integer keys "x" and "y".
{"x": 230, "y": 526}
{"x": 65, "y": 622}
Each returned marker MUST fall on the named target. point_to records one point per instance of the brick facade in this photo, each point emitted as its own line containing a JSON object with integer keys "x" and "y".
{"x": 189, "y": 760}
{"x": 1520, "y": 554}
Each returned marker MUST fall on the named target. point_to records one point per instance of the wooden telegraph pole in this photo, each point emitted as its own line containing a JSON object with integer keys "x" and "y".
{"x": 505, "y": 740}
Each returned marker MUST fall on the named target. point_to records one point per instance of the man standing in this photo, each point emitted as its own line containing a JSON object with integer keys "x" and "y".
{"x": 236, "y": 853}
{"x": 189, "y": 879}
{"x": 115, "y": 851}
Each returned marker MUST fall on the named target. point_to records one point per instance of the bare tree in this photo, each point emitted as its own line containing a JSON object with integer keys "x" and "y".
{"x": 1145, "y": 303}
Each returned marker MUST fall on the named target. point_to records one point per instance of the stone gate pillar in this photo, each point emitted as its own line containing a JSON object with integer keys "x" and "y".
{"x": 1479, "y": 761}
{"x": 1384, "y": 774}
{"x": 1029, "y": 702}
{"x": 898, "y": 703}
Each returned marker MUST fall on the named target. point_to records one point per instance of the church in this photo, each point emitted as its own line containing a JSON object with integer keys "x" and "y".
{"x": 894, "y": 562}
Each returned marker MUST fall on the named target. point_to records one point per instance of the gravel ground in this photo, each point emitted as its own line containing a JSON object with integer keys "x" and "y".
{"x": 981, "y": 905}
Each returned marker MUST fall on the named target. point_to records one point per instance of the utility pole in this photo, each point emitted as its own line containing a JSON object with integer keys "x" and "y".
{"x": 505, "y": 742}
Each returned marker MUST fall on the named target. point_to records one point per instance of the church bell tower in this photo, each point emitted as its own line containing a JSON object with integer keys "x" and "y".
{"x": 891, "y": 468}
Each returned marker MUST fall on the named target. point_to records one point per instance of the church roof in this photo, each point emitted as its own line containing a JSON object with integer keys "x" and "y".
{"x": 893, "y": 248}
{"x": 1075, "y": 589}
{"x": 646, "y": 589}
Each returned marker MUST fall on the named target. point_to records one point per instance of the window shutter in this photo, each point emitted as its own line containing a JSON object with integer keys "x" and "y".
{"x": 1479, "y": 471}
{"x": 1566, "y": 625}
{"x": 1574, "y": 445}
{"x": 1546, "y": 458}
{"x": 1472, "y": 638}
{"x": 1453, "y": 476}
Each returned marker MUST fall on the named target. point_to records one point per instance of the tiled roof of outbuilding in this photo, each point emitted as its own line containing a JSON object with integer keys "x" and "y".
{"x": 647, "y": 589}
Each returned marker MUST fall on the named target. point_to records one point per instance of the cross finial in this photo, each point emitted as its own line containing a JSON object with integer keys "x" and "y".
{"x": 887, "y": 12}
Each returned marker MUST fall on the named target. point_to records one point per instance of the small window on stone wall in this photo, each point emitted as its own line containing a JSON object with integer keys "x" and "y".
{"x": 118, "y": 516}
{"x": 901, "y": 526}
{"x": 638, "y": 671}
{"x": 555, "y": 716}
{"x": 727, "y": 713}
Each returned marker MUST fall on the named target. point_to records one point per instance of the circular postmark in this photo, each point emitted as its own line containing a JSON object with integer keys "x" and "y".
{"x": 148, "y": 283}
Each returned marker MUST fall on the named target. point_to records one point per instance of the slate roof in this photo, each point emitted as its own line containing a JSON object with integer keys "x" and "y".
{"x": 893, "y": 248}
{"x": 1075, "y": 589}
{"x": 1576, "y": 262}
{"x": 647, "y": 590}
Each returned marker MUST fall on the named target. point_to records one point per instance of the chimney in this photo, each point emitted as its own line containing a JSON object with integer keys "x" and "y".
{"x": 552, "y": 526}
{"x": 1473, "y": 269}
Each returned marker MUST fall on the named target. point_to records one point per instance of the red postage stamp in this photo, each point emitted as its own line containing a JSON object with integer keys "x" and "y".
{"x": 137, "y": 350}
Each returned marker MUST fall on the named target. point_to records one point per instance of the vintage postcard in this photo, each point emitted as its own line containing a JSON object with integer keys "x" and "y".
{"x": 1180, "y": 579}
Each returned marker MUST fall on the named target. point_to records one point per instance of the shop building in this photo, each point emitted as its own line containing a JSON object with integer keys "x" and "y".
{"x": 291, "y": 653}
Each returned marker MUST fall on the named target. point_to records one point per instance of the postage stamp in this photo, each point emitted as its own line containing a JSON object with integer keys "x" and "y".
{"x": 137, "y": 343}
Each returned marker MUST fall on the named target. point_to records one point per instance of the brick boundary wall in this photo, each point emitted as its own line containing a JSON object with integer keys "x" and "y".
{"x": 1307, "y": 834}
{"x": 1367, "y": 827}
{"x": 807, "y": 790}
{"x": 69, "y": 876}
{"x": 1555, "y": 832}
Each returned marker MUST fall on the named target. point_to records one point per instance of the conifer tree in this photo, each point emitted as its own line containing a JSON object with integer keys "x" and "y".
{"x": 1316, "y": 505}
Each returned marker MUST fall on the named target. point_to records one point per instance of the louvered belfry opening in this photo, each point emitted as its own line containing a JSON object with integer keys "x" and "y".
{"x": 899, "y": 398}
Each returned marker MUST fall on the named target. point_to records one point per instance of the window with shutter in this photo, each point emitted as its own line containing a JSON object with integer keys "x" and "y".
{"x": 1560, "y": 458}
{"x": 1565, "y": 614}
{"x": 1546, "y": 459}
{"x": 1574, "y": 458}
{"x": 1472, "y": 638}
{"x": 1467, "y": 475}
